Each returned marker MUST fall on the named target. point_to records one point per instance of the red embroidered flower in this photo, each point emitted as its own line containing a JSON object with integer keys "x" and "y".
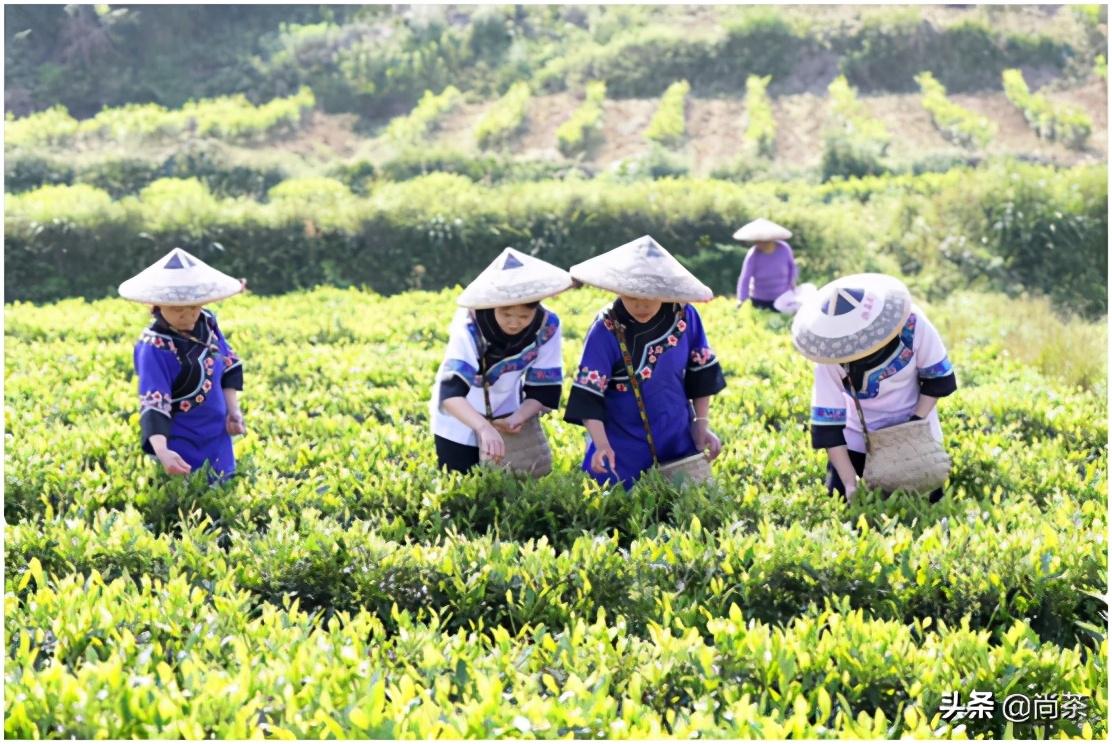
{"x": 608, "y": 325}
{"x": 158, "y": 342}
{"x": 620, "y": 387}
{"x": 200, "y": 399}
{"x": 646, "y": 373}
{"x": 659, "y": 349}
{"x": 592, "y": 376}
{"x": 681, "y": 326}
{"x": 672, "y": 340}
{"x": 209, "y": 362}
{"x": 652, "y": 358}
{"x": 206, "y": 385}
{"x": 184, "y": 406}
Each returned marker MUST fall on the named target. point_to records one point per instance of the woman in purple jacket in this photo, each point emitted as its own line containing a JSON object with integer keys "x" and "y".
{"x": 769, "y": 269}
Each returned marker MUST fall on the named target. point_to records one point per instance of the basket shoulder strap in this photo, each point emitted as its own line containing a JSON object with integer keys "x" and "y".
{"x": 482, "y": 349}
{"x": 619, "y": 332}
{"x": 860, "y": 413}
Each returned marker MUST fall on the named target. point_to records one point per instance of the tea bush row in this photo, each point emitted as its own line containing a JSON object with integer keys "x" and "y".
{"x": 417, "y": 124}
{"x": 1067, "y": 125}
{"x": 584, "y": 128}
{"x": 667, "y": 126}
{"x": 956, "y": 124}
{"x": 230, "y": 117}
{"x": 170, "y": 658}
{"x": 505, "y": 118}
{"x": 760, "y": 129}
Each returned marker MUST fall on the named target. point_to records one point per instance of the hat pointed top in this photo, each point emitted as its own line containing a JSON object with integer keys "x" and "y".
{"x": 177, "y": 279}
{"x": 514, "y": 278}
{"x": 642, "y": 268}
{"x": 760, "y": 230}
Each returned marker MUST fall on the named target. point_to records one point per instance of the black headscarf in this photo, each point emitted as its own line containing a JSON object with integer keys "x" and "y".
{"x": 858, "y": 367}
{"x": 500, "y": 344}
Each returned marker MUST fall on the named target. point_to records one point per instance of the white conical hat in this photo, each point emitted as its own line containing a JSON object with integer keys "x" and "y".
{"x": 850, "y": 318}
{"x": 514, "y": 279}
{"x": 642, "y": 268}
{"x": 760, "y": 230}
{"x": 179, "y": 279}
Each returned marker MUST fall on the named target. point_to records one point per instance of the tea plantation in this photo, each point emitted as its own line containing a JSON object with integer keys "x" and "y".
{"x": 342, "y": 587}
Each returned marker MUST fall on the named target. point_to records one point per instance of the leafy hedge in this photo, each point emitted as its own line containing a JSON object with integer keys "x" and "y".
{"x": 584, "y": 128}
{"x": 1065, "y": 124}
{"x": 987, "y": 227}
{"x": 230, "y": 117}
{"x": 667, "y": 126}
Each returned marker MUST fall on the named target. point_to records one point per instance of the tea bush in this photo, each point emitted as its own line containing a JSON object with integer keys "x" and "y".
{"x": 342, "y": 586}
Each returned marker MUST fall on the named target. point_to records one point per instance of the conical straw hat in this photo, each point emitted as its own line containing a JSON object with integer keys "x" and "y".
{"x": 760, "y": 230}
{"x": 642, "y": 268}
{"x": 178, "y": 279}
{"x": 514, "y": 279}
{"x": 850, "y": 318}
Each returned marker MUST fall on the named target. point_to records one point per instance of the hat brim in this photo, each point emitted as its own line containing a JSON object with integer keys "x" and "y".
{"x": 830, "y": 349}
{"x": 179, "y": 296}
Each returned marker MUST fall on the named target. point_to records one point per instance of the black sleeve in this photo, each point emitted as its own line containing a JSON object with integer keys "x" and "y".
{"x": 453, "y": 387}
{"x": 547, "y": 395}
{"x": 939, "y": 387}
{"x": 233, "y": 378}
{"x": 583, "y": 405}
{"x": 824, "y": 436}
{"x": 152, "y": 422}
{"x": 704, "y": 382}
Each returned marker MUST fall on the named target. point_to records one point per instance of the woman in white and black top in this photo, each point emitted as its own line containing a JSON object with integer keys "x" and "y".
{"x": 864, "y": 331}
{"x": 503, "y": 333}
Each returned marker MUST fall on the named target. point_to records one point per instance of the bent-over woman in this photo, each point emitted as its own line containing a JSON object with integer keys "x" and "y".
{"x": 662, "y": 413}
{"x": 189, "y": 377}
{"x": 503, "y": 366}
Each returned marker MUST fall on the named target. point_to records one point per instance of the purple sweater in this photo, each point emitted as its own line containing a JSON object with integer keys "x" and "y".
{"x": 770, "y": 274}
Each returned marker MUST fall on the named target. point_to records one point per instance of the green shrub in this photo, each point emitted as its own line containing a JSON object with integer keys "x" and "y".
{"x": 505, "y": 118}
{"x": 890, "y": 49}
{"x": 956, "y": 124}
{"x": 584, "y": 128}
{"x": 1067, "y": 125}
{"x": 760, "y": 130}
{"x": 24, "y": 171}
{"x": 422, "y": 119}
{"x": 667, "y": 126}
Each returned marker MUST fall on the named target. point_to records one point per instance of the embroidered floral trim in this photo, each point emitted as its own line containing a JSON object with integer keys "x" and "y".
{"x": 184, "y": 406}
{"x": 701, "y": 357}
{"x": 154, "y": 401}
{"x": 592, "y": 380}
{"x": 461, "y": 368}
{"x": 526, "y": 356}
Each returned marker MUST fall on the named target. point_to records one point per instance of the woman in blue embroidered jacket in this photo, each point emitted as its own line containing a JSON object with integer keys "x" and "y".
{"x": 865, "y": 327}
{"x": 500, "y": 329}
{"x": 189, "y": 377}
{"x": 676, "y": 369}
